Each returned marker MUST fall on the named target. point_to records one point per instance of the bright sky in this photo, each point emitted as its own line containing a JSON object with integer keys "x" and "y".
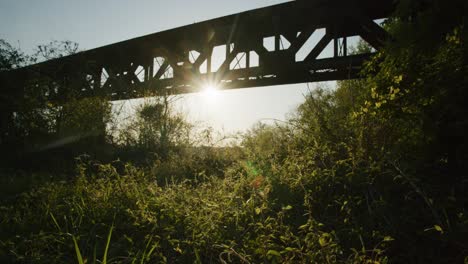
{"x": 92, "y": 23}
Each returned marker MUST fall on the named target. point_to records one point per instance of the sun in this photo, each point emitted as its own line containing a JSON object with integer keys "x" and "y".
{"x": 210, "y": 92}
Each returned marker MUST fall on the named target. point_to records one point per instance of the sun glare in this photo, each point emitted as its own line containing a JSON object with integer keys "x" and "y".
{"x": 210, "y": 92}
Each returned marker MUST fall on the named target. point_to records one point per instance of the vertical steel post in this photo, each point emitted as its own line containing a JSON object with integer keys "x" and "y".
{"x": 345, "y": 46}
{"x": 277, "y": 42}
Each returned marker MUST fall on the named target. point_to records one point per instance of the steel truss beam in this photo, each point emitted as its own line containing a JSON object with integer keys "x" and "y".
{"x": 181, "y": 60}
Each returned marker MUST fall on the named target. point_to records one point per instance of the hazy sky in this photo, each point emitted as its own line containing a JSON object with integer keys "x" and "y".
{"x": 94, "y": 23}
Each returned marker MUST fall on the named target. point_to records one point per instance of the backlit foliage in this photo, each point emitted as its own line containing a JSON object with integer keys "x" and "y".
{"x": 373, "y": 171}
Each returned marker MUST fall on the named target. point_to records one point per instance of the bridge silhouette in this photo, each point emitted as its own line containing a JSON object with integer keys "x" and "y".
{"x": 255, "y": 48}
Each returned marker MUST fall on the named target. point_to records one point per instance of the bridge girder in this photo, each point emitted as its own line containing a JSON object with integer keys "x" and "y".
{"x": 181, "y": 60}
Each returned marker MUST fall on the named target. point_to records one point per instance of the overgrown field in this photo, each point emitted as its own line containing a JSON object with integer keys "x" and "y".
{"x": 374, "y": 171}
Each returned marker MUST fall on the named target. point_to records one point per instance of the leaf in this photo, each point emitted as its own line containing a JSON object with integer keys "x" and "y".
{"x": 324, "y": 239}
{"x": 272, "y": 252}
{"x": 177, "y": 249}
{"x": 388, "y": 238}
{"x": 258, "y": 210}
{"x": 398, "y": 79}
{"x": 438, "y": 228}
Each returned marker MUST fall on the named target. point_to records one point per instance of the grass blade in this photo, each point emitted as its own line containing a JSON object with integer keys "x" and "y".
{"x": 55, "y": 222}
{"x": 104, "y": 258}
{"x": 77, "y": 250}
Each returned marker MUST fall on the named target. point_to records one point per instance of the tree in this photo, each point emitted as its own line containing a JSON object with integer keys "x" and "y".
{"x": 157, "y": 128}
{"x": 55, "y": 49}
{"x": 11, "y": 57}
{"x": 41, "y": 121}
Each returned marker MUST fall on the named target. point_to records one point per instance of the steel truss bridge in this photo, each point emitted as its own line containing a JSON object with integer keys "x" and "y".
{"x": 250, "y": 49}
